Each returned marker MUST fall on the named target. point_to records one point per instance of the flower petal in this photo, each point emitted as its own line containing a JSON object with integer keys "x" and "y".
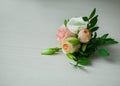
{"x": 75, "y": 24}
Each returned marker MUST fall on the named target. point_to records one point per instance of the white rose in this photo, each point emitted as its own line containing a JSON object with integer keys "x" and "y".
{"x": 75, "y": 24}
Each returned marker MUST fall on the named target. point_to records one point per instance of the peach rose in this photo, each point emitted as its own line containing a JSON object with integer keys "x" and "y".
{"x": 67, "y": 47}
{"x": 84, "y": 35}
{"x": 64, "y": 33}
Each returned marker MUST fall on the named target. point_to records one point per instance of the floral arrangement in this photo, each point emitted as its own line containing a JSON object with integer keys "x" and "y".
{"x": 78, "y": 39}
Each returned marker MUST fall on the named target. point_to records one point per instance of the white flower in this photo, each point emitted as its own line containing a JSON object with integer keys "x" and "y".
{"x": 75, "y": 24}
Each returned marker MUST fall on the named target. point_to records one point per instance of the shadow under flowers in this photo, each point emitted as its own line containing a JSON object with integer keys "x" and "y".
{"x": 81, "y": 67}
{"x": 114, "y": 55}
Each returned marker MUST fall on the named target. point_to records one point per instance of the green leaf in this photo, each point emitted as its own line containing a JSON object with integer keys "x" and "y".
{"x": 90, "y": 50}
{"x": 110, "y": 41}
{"x": 93, "y": 21}
{"x": 94, "y": 29}
{"x": 65, "y": 22}
{"x": 84, "y": 47}
{"x": 100, "y": 41}
{"x": 103, "y": 52}
{"x": 84, "y": 61}
{"x": 92, "y": 13}
{"x": 104, "y": 36}
{"x": 73, "y": 41}
{"x": 50, "y": 51}
{"x": 71, "y": 56}
{"x": 88, "y": 26}
{"x": 85, "y": 18}
{"x": 95, "y": 35}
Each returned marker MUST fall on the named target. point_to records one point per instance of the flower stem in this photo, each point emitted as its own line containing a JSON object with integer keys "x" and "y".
{"x": 76, "y": 65}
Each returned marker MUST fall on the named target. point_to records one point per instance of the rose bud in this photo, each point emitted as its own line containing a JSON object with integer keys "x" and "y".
{"x": 70, "y": 45}
{"x": 84, "y": 35}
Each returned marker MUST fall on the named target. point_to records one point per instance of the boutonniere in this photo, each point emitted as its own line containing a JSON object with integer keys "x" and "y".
{"x": 78, "y": 39}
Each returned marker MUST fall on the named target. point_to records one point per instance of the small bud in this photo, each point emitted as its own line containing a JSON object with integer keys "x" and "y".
{"x": 48, "y": 52}
{"x": 84, "y": 35}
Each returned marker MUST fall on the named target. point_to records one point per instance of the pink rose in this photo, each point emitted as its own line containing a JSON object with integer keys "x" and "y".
{"x": 64, "y": 33}
{"x": 84, "y": 35}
